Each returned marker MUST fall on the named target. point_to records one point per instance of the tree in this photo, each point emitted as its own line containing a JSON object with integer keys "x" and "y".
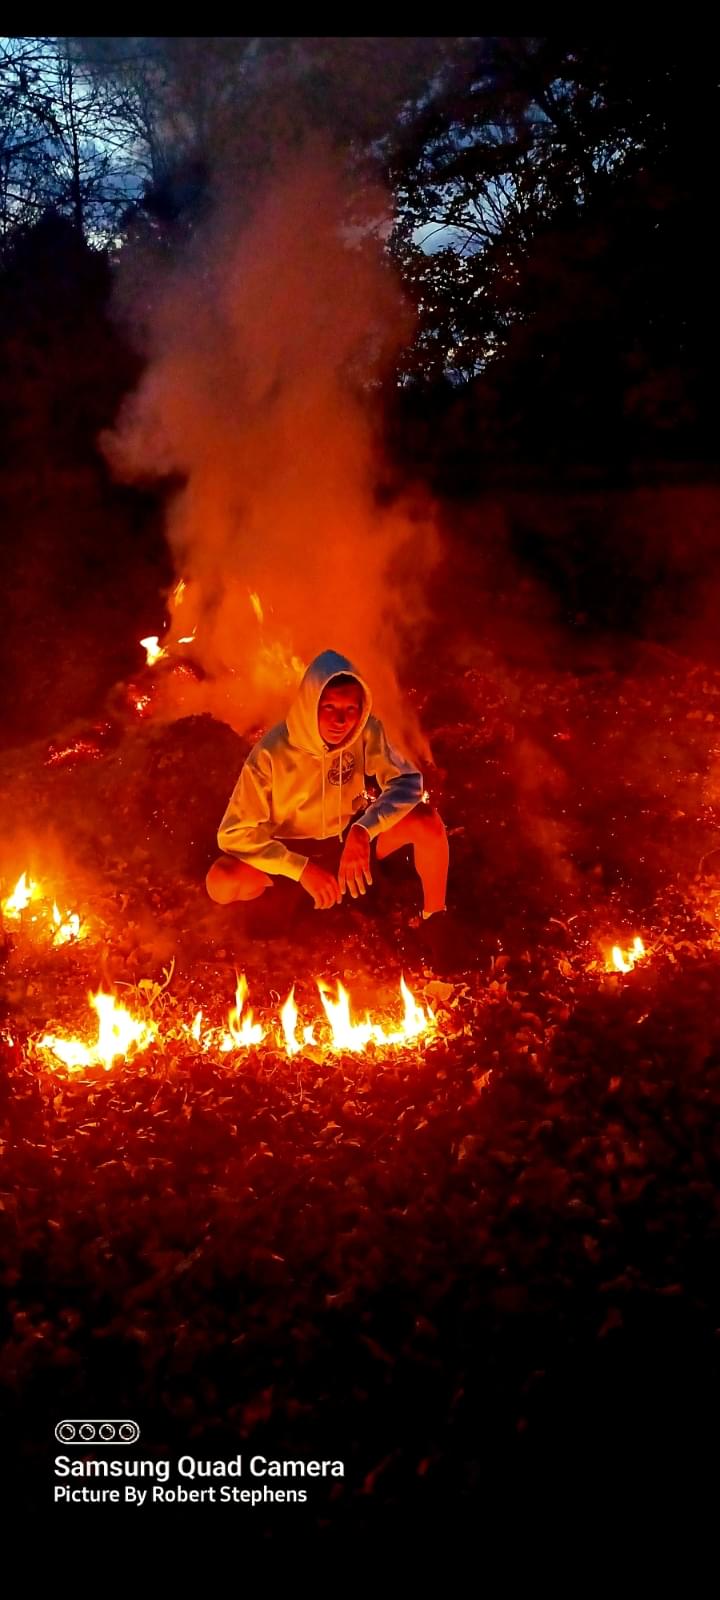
{"x": 63, "y": 143}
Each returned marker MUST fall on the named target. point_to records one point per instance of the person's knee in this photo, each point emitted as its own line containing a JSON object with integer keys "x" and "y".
{"x": 230, "y": 880}
{"x": 221, "y": 881}
{"x": 429, "y": 824}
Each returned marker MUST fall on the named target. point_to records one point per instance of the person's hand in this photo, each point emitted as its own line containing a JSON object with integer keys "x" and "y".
{"x": 322, "y": 886}
{"x": 354, "y": 871}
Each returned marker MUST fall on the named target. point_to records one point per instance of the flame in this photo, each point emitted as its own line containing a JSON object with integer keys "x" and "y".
{"x": 153, "y": 649}
{"x": 24, "y": 892}
{"x": 288, "y": 1018}
{"x": 349, "y": 1035}
{"x": 66, "y": 929}
{"x": 119, "y": 1035}
{"x": 625, "y": 960}
{"x": 27, "y": 892}
{"x": 276, "y": 666}
{"x": 178, "y": 593}
{"x": 257, "y": 607}
{"x": 242, "y": 1029}
{"x": 187, "y": 638}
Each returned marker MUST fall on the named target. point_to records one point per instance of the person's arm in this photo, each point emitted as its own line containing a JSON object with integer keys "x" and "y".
{"x": 246, "y": 828}
{"x": 400, "y": 782}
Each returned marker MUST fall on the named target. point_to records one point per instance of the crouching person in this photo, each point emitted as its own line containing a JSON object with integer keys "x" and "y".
{"x": 300, "y": 810}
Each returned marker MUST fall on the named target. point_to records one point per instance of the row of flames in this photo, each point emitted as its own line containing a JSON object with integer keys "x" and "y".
{"x": 120, "y": 1035}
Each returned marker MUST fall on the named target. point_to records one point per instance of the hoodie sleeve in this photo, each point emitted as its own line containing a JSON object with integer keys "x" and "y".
{"x": 401, "y": 783}
{"x": 246, "y": 828}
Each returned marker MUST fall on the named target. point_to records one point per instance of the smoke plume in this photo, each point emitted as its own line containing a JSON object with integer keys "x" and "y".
{"x": 266, "y": 344}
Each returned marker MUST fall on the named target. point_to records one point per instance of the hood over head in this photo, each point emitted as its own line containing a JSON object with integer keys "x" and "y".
{"x": 302, "y": 718}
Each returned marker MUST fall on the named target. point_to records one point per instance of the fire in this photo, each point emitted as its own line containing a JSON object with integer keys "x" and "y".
{"x": 289, "y": 1019}
{"x": 179, "y": 592}
{"x": 242, "y": 1029}
{"x": 293, "y": 1035}
{"x": 64, "y": 927}
{"x": 349, "y": 1035}
{"x": 625, "y": 960}
{"x": 119, "y": 1035}
{"x": 24, "y": 892}
{"x": 153, "y": 649}
{"x": 257, "y": 607}
{"x": 67, "y": 928}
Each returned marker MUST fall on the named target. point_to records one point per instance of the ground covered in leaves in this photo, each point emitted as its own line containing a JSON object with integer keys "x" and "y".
{"x": 441, "y": 1266}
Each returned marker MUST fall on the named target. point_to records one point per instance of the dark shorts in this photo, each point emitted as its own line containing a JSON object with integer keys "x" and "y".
{"x": 324, "y": 852}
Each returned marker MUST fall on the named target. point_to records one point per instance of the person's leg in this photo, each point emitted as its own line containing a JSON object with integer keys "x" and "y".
{"x": 229, "y": 880}
{"x": 424, "y": 829}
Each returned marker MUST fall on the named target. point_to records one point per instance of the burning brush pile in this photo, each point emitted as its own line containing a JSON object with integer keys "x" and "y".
{"x": 271, "y": 1182}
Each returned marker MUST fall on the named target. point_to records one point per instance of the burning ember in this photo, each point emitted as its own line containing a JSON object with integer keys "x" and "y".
{"x": 624, "y": 960}
{"x": 68, "y": 755}
{"x": 153, "y": 650}
{"x": 119, "y": 1035}
{"x": 65, "y": 927}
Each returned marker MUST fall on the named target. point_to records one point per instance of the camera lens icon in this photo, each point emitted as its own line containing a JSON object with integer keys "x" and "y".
{"x": 97, "y": 1430}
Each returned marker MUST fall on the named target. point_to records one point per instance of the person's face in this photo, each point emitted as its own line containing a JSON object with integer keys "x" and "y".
{"x": 339, "y": 713}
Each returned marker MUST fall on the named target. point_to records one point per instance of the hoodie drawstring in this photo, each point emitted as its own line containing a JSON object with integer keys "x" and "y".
{"x": 329, "y": 754}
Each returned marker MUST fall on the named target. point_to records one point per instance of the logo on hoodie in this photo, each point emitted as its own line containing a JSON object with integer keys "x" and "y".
{"x": 342, "y": 768}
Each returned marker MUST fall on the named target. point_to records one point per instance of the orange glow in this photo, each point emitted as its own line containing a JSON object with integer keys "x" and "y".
{"x": 624, "y": 960}
{"x": 119, "y": 1035}
{"x": 257, "y": 607}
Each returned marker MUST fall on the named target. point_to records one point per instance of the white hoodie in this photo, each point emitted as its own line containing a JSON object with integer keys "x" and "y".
{"x": 294, "y": 786}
